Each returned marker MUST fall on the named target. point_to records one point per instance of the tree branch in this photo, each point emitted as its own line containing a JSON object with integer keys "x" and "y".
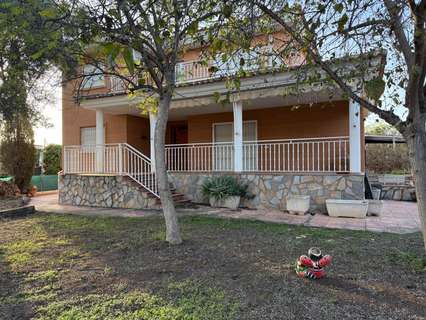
{"x": 388, "y": 116}
{"x": 398, "y": 30}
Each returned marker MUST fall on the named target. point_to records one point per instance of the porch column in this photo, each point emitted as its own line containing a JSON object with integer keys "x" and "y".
{"x": 354, "y": 136}
{"x": 152, "y": 123}
{"x": 238, "y": 135}
{"x": 100, "y": 141}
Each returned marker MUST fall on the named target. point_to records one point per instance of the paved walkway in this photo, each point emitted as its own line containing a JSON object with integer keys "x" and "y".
{"x": 397, "y": 217}
{"x": 49, "y": 203}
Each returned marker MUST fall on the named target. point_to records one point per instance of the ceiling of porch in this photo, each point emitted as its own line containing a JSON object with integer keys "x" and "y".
{"x": 182, "y": 107}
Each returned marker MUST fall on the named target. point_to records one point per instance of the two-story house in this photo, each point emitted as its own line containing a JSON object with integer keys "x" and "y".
{"x": 279, "y": 142}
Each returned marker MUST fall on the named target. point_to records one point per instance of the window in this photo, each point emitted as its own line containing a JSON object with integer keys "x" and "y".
{"x": 94, "y": 81}
{"x": 88, "y": 136}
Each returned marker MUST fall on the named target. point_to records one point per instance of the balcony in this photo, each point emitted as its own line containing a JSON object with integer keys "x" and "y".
{"x": 195, "y": 71}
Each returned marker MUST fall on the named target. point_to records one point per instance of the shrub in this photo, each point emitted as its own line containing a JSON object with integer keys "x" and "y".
{"x": 385, "y": 158}
{"x": 222, "y": 187}
{"x": 17, "y": 152}
{"x": 52, "y": 159}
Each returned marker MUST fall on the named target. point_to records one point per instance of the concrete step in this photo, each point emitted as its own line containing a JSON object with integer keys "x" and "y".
{"x": 178, "y": 198}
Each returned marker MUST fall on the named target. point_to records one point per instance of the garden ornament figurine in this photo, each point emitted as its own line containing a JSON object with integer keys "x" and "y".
{"x": 312, "y": 265}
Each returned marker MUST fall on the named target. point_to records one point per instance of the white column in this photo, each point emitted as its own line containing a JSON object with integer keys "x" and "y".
{"x": 238, "y": 135}
{"x": 354, "y": 136}
{"x": 152, "y": 123}
{"x": 100, "y": 141}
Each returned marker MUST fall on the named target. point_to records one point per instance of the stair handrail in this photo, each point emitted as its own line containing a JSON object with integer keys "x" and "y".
{"x": 140, "y": 177}
{"x": 137, "y": 151}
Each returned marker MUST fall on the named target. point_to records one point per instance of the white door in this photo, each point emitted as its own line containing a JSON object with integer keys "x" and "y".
{"x": 223, "y": 150}
{"x": 223, "y": 153}
{"x": 250, "y": 146}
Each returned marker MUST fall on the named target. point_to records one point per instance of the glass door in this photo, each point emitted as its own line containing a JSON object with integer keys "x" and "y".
{"x": 223, "y": 149}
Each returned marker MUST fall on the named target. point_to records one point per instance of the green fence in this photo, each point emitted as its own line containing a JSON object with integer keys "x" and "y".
{"x": 45, "y": 182}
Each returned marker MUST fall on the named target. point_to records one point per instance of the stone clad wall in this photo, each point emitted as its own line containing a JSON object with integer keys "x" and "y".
{"x": 398, "y": 193}
{"x": 394, "y": 187}
{"x": 271, "y": 191}
{"x": 103, "y": 191}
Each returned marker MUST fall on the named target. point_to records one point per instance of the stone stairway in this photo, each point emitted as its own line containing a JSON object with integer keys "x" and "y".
{"x": 178, "y": 198}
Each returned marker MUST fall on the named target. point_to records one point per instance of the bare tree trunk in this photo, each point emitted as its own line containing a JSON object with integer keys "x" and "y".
{"x": 172, "y": 226}
{"x": 416, "y": 140}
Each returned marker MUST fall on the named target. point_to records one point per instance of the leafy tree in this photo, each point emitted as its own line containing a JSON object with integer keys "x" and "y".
{"x": 52, "y": 159}
{"x": 327, "y": 30}
{"x": 381, "y": 128}
{"x": 159, "y": 31}
{"x": 32, "y": 39}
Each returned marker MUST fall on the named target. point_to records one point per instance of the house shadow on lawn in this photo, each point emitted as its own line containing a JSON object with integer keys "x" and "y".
{"x": 377, "y": 292}
{"x": 224, "y": 270}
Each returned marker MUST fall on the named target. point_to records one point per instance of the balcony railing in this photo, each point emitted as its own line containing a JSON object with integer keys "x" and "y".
{"x": 196, "y": 70}
{"x": 328, "y": 154}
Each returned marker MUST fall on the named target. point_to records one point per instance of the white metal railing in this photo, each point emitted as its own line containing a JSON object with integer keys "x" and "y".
{"x": 118, "y": 159}
{"x": 198, "y": 70}
{"x": 190, "y": 71}
{"x": 117, "y": 84}
{"x": 326, "y": 154}
{"x": 200, "y": 157}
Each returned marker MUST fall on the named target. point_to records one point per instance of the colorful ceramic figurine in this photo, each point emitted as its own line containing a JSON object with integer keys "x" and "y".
{"x": 312, "y": 265}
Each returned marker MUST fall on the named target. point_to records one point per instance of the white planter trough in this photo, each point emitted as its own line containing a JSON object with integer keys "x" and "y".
{"x": 298, "y": 204}
{"x": 347, "y": 208}
{"x": 375, "y": 207}
{"x": 232, "y": 202}
{"x": 376, "y": 193}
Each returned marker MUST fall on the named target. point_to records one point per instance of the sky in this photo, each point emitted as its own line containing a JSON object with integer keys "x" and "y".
{"x": 52, "y": 110}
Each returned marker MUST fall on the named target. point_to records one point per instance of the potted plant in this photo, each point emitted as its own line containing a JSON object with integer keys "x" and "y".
{"x": 224, "y": 191}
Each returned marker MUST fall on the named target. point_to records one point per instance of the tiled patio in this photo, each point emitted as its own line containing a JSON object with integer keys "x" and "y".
{"x": 398, "y": 216}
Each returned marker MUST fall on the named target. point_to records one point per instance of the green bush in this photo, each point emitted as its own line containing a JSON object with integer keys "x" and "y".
{"x": 17, "y": 152}
{"x": 52, "y": 159}
{"x": 222, "y": 187}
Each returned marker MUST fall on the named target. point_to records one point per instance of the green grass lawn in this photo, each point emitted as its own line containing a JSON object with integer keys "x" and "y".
{"x": 73, "y": 267}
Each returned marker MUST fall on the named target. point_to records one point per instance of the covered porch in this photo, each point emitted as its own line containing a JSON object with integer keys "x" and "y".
{"x": 244, "y": 136}
{"x": 315, "y": 150}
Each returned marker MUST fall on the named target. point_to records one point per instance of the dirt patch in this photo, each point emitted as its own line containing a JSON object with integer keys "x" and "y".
{"x": 58, "y": 266}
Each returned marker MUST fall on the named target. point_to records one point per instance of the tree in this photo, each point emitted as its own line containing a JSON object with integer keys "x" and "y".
{"x": 159, "y": 32}
{"x": 52, "y": 159}
{"x": 381, "y": 128}
{"x": 327, "y": 30}
{"x": 32, "y": 39}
